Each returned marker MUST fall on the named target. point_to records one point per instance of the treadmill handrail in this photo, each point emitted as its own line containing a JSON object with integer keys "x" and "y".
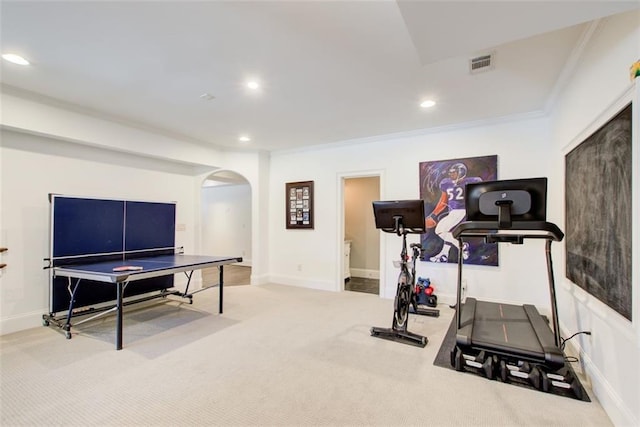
{"x": 523, "y": 229}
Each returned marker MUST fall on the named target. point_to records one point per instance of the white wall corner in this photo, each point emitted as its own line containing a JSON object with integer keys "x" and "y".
{"x": 592, "y": 377}
{"x": 613, "y": 405}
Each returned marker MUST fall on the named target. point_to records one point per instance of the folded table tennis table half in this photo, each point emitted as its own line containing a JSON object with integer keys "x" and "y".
{"x": 121, "y": 272}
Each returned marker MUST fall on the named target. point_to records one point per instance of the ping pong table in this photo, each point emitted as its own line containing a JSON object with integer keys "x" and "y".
{"x": 138, "y": 269}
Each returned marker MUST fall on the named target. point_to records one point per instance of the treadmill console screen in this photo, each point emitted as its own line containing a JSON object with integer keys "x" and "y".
{"x": 507, "y": 200}
{"x": 519, "y": 201}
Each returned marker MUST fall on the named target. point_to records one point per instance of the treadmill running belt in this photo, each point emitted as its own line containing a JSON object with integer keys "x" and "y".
{"x": 505, "y": 327}
{"x": 510, "y": 330}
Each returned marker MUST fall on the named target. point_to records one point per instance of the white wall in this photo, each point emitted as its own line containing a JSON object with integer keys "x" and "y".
{"x": 599, "y": 89}
{"x": 522, "y": 147}
{"x": 2, "y": 234}
{"x": 226, "y": 221}
{"x": 525, "y": 148}
{"x": 255, "y": 168}
{"x": 42, "y": 116}
{"x": 33, "y": 166}
{"x": 30, "y": 171}
{"x": 48, "y": 144}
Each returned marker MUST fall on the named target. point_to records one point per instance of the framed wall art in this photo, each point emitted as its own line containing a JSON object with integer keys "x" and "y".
{"x": 299, "y": 205}
{"x": 442, "y": 187}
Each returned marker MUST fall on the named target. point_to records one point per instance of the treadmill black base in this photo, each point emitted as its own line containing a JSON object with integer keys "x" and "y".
{"x": 562, "y": 381}
{"x": 446, "y": 359}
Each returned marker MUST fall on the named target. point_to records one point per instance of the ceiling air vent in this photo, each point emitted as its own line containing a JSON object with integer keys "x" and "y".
{"x": 481, "y": 63}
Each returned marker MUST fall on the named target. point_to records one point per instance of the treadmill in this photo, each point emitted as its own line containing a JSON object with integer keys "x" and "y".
{"x": 513, "y": 342}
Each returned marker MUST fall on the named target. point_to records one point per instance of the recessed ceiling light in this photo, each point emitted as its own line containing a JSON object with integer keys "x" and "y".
{"x": 16, "y": 59}
{"x": 253, "y": 85}
{"x": 428, "y": 103}
{"x": 207, "y": 96}
{"x": 244, "y": 138}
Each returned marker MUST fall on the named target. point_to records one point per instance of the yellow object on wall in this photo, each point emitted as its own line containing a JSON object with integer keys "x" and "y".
{"x": 634, "y": 70}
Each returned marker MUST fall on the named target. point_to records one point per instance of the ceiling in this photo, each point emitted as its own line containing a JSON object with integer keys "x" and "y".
{"x": 330, "y": 71}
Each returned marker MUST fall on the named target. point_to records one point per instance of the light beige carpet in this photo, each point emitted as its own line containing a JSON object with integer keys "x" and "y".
{"x": 278, "y": 355}
{"x": 234, "y": 275}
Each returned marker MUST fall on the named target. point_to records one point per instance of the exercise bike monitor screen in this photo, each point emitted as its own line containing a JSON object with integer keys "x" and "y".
{"x": 507, "y": 200}
{"x": 397, "y": 216}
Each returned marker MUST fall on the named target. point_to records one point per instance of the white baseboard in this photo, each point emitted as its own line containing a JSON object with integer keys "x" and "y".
{"x": 618, "y": 412}
{"x": 9, "y": 325}
{"x": 261, "y": 279}
{"x": 364, "y": 273}
{"x": 308, "y": 283}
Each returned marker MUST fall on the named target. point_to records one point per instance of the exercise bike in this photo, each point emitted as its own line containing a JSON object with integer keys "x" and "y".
{"x": 402, "y": 212}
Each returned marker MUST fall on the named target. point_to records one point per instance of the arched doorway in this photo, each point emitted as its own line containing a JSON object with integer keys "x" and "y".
{"x": 225, "y": 216}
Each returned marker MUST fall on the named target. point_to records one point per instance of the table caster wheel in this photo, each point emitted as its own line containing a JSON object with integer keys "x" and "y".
{"x": 45, "y": 322}
{"x": 67, "y": 334}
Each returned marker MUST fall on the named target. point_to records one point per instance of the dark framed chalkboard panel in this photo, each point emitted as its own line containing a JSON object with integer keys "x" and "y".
{"x": 598, "y": 203}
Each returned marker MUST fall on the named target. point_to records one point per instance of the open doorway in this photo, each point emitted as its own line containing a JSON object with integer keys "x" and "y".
{"x": 226, "y": 225}
{"x": 362, "y": 239}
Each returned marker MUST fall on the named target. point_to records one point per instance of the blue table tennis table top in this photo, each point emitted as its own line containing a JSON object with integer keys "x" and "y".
{"x": 151, "y": 267}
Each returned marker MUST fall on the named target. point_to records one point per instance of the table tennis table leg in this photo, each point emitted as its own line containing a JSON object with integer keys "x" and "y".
{"x": 72, "y": 300}
{"x": 120, "y": 290}
{"x": 220, "y": 283}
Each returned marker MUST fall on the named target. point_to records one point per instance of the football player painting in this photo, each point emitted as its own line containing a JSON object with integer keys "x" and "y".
{"x": 453, "y": 191}
{"x": 443, "y": 188}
